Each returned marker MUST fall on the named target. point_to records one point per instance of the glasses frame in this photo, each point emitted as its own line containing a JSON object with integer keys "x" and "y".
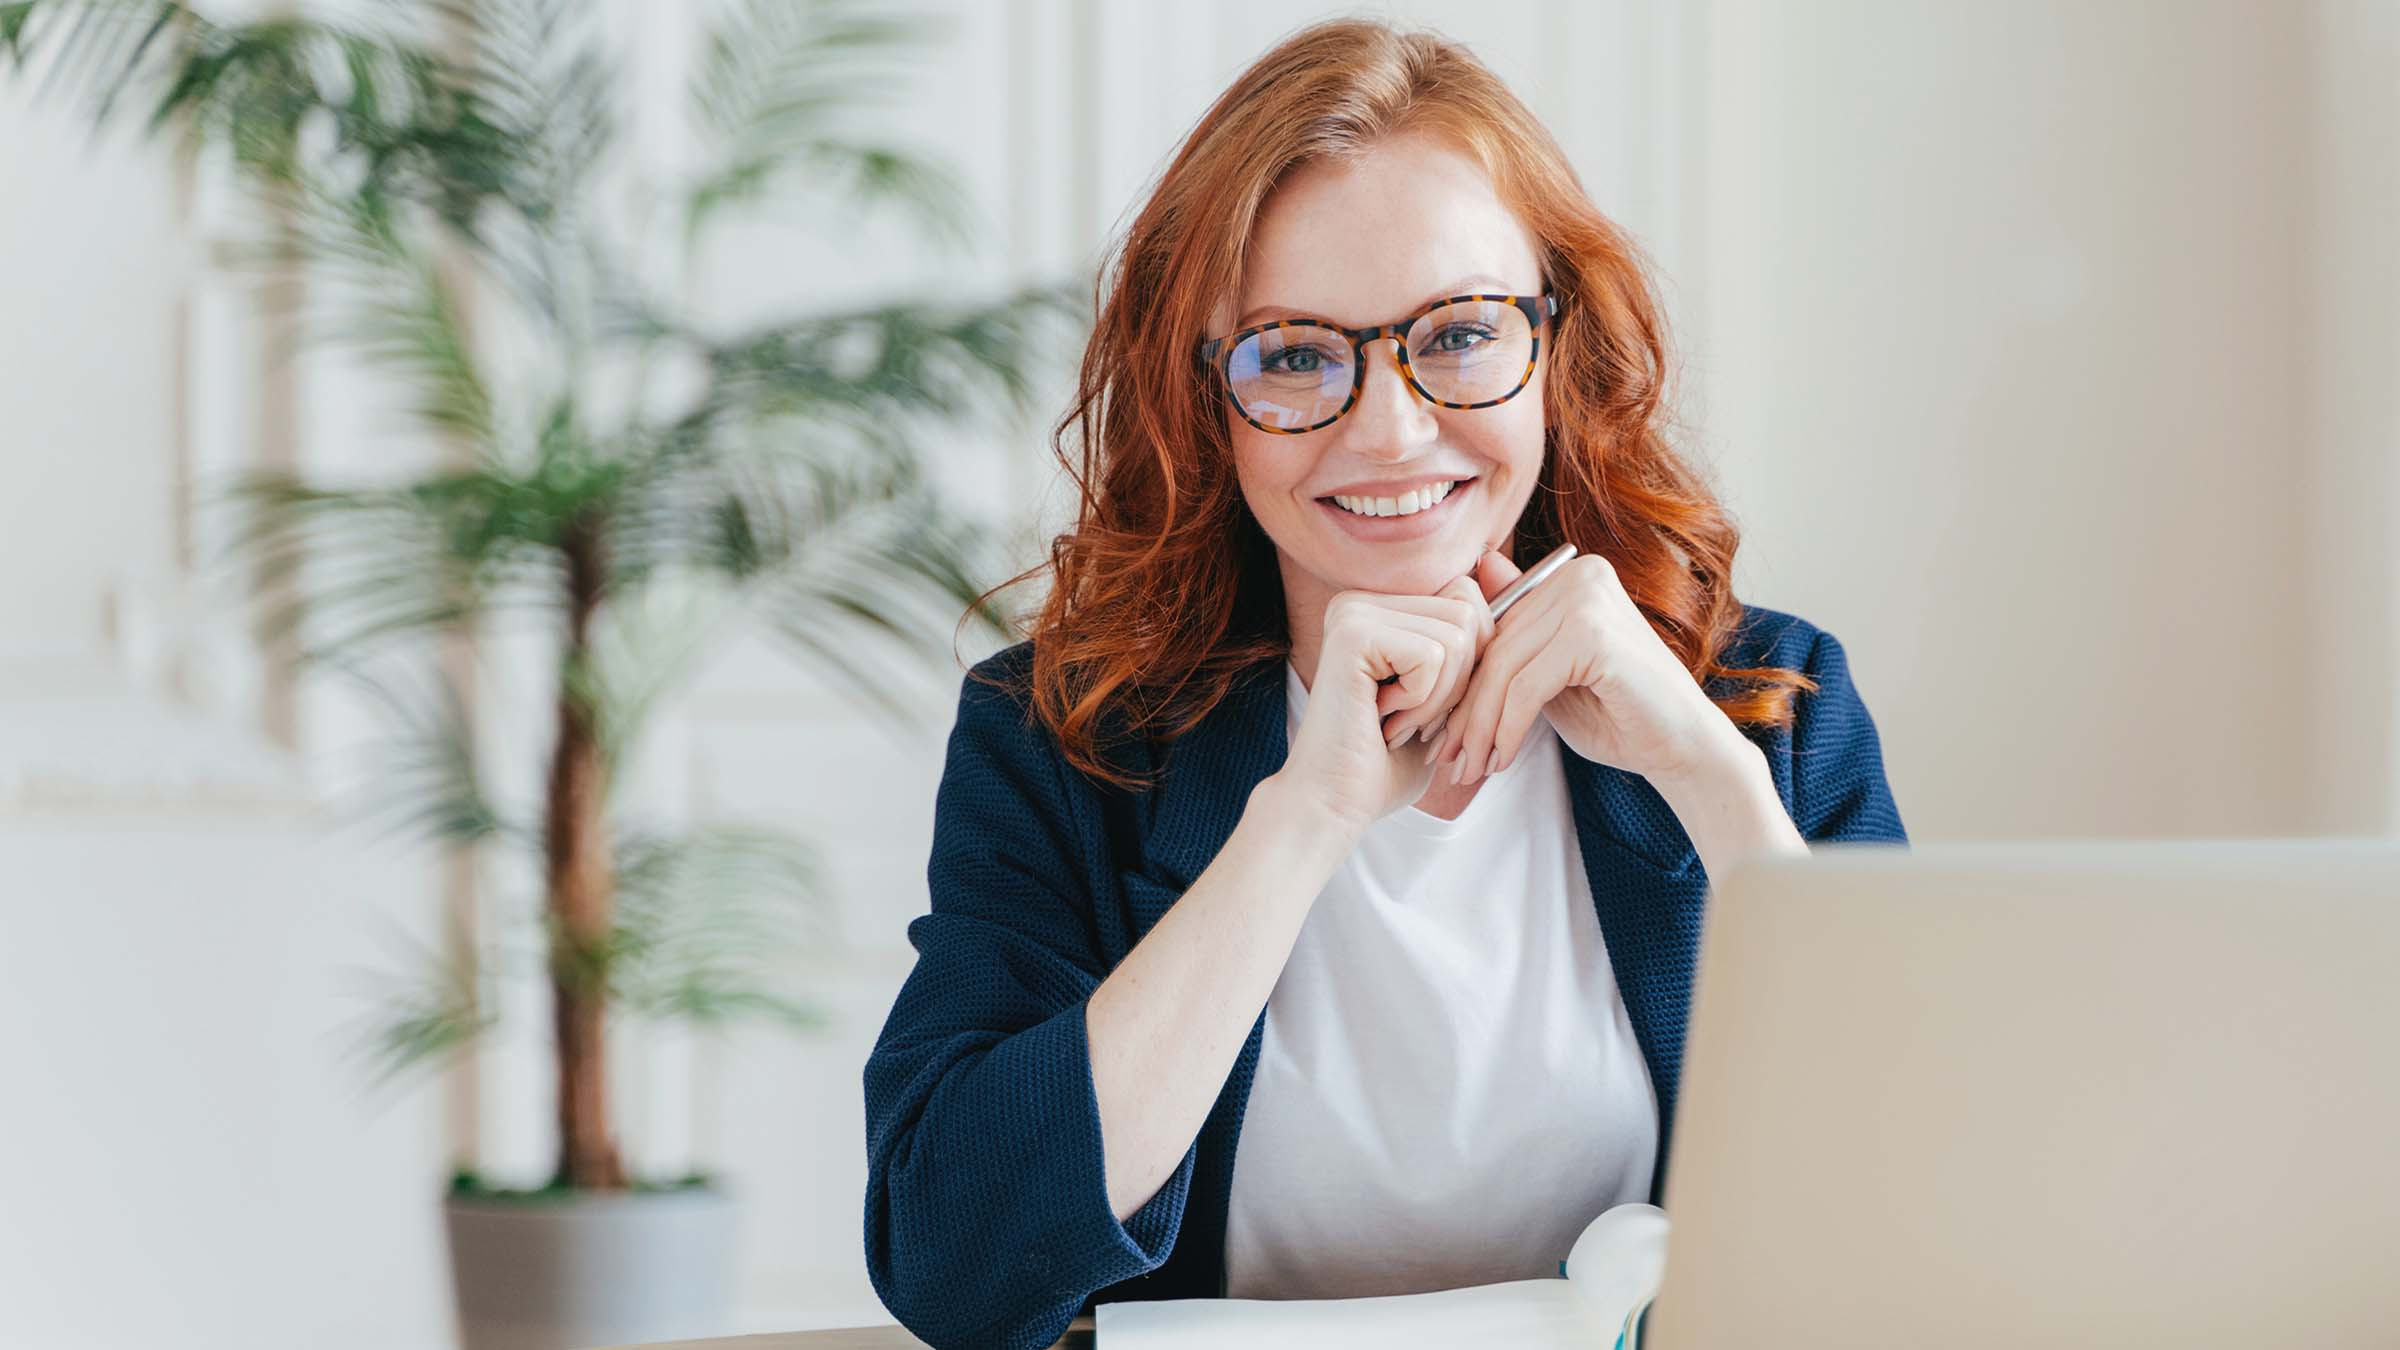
{"x": 1217, "y": 353}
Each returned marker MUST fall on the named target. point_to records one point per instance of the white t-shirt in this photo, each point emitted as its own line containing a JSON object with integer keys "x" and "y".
{"x": 1448, "y": 1089}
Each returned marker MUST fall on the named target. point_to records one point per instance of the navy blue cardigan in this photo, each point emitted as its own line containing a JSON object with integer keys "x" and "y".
{"x": 988, "y": 1222}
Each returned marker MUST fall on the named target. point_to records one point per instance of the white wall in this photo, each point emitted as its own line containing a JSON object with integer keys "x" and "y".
{"x": 2045, "y": 351}
{"x": 2011, "y": 325}
{"x": 95, "y": 315}
{"x": 2350, "y": 345}
{"x": 194, "y": 1158}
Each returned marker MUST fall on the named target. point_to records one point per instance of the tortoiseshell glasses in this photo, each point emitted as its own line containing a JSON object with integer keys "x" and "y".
{"x": 1296, "y": 375}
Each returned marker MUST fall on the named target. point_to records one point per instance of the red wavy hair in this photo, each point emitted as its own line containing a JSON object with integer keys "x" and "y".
{"x": 1166, "y": 590}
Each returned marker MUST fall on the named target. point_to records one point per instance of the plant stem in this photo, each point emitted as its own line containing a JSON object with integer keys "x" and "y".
{"x": 581, "y": 895}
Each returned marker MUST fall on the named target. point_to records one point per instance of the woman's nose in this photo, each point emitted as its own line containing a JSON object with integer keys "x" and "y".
{"x": 1390, "y": 417}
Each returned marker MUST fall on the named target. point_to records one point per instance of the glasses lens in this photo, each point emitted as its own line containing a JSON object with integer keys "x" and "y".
{"x": 1292, "y": 377}
{"x": 1472, "y": 351}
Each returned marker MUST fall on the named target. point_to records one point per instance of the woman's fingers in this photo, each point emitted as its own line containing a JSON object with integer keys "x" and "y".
{"x": 1457, "y": 623}
{"x": 1498, "y": 648}
{"x": 1421, "y": 651}
{"x": 1410, "y": 648}
{"x": 1465, "y": 590}
{"x": 1471, "y": 628}
{"x": 1407, "y": 717}
{"x": 1475, "y": 724}
{"x": 1540, "y": 681}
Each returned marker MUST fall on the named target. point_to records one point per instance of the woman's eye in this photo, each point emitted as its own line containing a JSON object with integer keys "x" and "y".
{"x": 1460, "y": 337}
{"x": 1296, "y": 361}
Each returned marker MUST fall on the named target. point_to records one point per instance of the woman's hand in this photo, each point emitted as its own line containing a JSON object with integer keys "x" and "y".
{"x": 1356, "y": 751}
{"x": 1577, "y": 647}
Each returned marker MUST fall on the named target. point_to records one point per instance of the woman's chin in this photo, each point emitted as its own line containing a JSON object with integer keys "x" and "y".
{"x": 1423, "y": 568}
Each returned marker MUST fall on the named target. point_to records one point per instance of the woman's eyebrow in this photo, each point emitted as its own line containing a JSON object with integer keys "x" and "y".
{"x": 1461, "y": 286}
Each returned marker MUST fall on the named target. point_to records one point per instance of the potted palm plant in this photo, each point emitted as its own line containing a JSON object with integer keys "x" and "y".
{"x": 455, "y": 157}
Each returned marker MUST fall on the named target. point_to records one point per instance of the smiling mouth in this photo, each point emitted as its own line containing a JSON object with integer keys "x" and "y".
{"x": 1395, "y": 508}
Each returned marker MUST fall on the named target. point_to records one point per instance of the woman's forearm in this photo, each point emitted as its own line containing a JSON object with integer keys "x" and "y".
{"x": 1166, "y": 1024}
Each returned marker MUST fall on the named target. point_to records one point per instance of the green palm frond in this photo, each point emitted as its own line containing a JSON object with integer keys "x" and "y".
{"x": 771, "y": 69}
{"x": 872, "y": 580}
{"x": 420, "y": 1021}
{"x": 863, "y": 173}
{"x": 769, "y": 92}
{"x": 94, "y": 49}
{"x": 427, "y": 780}
{"x": 343, "y": 569}
{"x": 383, "y": 298}
{"x": 708, "y": 924}
{"x": 13, "y": 18}
{"x": 537, "y": 70}
{"x": 644, "y": 643}
{"x": 539, "y": 73}
{"x": 401, "y": 118}
{"x": 863, "y": 368}
{"x": 407, "y": 134}
{"x": 826, "y": 543}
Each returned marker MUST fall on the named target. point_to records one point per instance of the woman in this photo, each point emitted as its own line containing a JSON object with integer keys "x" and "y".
{"x": 1270, "y": 834}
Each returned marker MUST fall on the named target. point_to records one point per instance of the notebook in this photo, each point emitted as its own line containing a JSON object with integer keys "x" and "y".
{"x": 1609, "y": 1275}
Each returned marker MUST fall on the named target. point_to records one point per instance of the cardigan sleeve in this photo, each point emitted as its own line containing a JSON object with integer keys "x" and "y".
{"x": 987, "y": 1215}
{"x": 1838, "y": 787}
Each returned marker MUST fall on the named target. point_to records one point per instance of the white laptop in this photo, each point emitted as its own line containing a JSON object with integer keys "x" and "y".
{"x": 2069, "y": 1094}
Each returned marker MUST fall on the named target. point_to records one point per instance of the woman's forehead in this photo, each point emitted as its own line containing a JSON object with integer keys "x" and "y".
{"x": 1365, "y": 241}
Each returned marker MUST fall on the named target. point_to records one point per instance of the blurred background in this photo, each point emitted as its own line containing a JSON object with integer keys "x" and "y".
{"x": 2048, "y": 353}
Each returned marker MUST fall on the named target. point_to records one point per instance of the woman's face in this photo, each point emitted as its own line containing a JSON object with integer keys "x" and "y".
{"x": 1365, "y": 243}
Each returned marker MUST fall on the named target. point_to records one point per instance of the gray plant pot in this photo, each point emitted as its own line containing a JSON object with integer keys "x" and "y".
{"x": 573, "y": 1271}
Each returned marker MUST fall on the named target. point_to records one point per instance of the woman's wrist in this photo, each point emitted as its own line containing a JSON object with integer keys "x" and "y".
{"x": 1728, "y": 806}
{"x": 1306, "y": 829}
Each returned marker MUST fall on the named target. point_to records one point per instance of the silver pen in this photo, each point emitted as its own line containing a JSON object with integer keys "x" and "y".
{"x": 1509, "y": 595}
{"x": 1516, "y": 590}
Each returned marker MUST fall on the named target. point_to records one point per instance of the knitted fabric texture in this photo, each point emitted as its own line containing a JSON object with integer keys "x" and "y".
{"x": 988, "y": 1224}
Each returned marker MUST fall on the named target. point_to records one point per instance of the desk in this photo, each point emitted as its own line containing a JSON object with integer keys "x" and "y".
{"x": 1078, "y": 1337}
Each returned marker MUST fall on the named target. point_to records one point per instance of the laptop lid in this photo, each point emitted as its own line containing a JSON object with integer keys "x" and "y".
{"x": 2090, "y": 1094}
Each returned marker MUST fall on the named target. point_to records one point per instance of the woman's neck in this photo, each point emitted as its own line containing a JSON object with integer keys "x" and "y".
{"x": 1304, "y": 610}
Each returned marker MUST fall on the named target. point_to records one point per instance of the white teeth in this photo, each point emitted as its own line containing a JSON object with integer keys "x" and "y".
{"x": 1406, "y": 504}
